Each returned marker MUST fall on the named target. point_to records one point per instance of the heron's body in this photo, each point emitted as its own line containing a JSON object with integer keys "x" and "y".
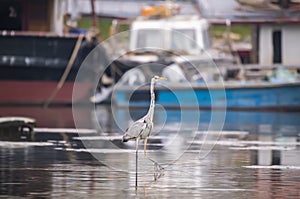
{"x": 139, "y": 129}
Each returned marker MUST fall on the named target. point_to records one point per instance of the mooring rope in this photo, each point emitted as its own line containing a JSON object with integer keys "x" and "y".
{"x": 66, "y": 72}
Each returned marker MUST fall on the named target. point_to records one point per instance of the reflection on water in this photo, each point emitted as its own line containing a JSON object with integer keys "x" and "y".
{"x": 56, "y": 117}
{"x": 260, "y": 162}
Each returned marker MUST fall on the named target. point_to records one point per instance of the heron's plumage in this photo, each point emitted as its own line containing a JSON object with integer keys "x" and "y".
{"x": 139, "y": 129}
{"x": 142, "y": 128}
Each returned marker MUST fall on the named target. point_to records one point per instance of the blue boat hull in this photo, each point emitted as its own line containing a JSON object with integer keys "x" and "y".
{"x": 265, "y": 96}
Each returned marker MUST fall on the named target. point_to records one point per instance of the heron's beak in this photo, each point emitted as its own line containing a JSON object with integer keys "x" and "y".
{"x": 163, "y": 78}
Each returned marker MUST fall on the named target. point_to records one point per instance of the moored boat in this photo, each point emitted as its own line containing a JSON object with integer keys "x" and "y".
{"x": 33, "y": 65}
{"x": 252, "y": 88}
{"x": 231, "y": 96}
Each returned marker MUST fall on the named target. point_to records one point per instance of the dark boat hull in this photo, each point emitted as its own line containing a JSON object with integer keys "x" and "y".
{"x": 40, "y": 92}
{"x": 31, "y": 67}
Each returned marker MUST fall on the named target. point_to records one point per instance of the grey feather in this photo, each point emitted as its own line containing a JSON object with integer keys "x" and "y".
{"x": 134, "y": 130}
{"x": 142, "y": 128}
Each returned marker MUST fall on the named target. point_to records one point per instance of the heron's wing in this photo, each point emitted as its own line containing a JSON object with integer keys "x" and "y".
{"x": 136, "y": 128}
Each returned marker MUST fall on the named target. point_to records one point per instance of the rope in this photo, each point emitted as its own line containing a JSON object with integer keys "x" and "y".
{"x": 66, "y": 72}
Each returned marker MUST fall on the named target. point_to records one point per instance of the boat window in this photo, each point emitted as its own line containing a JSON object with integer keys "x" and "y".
{"x": 277, "y": 47}
{"x": 183, "y": 39}
{"x": 152, "y": 38}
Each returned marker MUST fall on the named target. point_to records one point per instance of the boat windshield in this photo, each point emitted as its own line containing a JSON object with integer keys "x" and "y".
{"x": 151, "y": 38}
{"x": 183, "y": 39}
{"x": 178, "y": 39}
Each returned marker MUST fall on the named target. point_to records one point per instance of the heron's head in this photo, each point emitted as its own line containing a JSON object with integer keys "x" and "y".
{"x": 157, "y": 78}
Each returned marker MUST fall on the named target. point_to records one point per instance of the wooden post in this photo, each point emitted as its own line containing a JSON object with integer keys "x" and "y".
{"x": 255, "y": 44}
{"x": 94, "y": 16}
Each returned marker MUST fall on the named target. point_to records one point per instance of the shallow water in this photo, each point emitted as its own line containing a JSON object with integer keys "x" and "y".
{"x": 257, "y": 156}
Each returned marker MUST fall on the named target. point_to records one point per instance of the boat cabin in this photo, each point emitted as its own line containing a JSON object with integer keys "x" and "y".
{"x": 32, "y": 15}
{"x": 278, "y": 44}
{"x": 178, "y": 33}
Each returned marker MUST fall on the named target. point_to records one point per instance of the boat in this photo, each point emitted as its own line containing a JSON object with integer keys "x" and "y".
{"x": 160, "y": 35}
{"x": 267, "y": 79}
{"x": 39, "y": 57}
{"x": 278, "y": 90}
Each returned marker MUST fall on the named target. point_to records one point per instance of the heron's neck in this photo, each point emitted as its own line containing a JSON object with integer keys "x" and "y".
{"x": 152, "y": 101}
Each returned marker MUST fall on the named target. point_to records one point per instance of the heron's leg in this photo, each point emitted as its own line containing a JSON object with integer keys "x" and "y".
{"x": 137, "y": 144}
{"x": 158, "y": 169}
{"x": 136, "y": 162}
{"x": 145, "y": 146}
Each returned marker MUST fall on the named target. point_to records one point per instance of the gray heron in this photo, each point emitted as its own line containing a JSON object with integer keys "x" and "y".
{"x": 141, "y": 129}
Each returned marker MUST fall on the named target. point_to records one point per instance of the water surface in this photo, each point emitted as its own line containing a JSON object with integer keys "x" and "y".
{"x": 260, "y": 159}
